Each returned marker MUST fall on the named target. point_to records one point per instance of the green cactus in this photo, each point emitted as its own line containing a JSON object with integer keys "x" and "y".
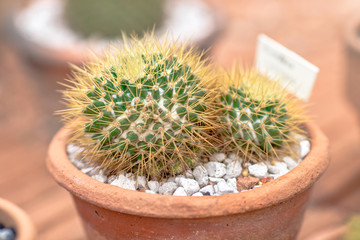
{"x": 147, "y": 109}
{"x": 109, "y": 18}
{"x": 260, "y": 118}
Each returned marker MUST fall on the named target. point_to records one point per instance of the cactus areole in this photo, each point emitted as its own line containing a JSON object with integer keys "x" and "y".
{"x": 145, "y": 109}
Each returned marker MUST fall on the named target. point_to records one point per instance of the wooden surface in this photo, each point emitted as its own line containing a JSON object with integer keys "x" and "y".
{"x": 28, "y": 98}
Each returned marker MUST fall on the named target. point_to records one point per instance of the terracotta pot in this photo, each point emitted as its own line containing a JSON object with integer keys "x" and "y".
{"x": 12, "y": 216}
{"x": 352, "y": 42}
{"x": 273, "y": 211}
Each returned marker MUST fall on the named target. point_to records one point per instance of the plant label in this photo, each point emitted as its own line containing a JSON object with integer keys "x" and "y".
{"x": 278, "y": 62}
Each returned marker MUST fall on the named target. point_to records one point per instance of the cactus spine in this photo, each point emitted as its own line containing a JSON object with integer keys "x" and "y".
{"x": 260, "y": 118}
{"x": 148, "y": 109}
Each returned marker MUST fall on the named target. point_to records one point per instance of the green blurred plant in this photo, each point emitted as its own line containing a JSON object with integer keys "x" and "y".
{"x": 353, "y": 230}
{"x": 109, "y": 18}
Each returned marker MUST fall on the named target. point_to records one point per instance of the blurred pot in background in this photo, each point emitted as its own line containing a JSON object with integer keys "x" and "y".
{"x": 12, "y": 217}
{"x": 53, "y": 33}
{"x": 352, "y": 41}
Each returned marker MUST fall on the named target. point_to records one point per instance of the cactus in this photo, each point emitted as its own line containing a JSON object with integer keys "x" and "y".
{"x": 260, "y": 118}
{"x": 109, "y": 18}
{"x": 147, "y": 109}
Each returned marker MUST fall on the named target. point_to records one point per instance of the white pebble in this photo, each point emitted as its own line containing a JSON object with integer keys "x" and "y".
{"x": 304, "y": 148}
{"x": 215, "y": 169}
{"x": 171, "y": 179}
{"x": 78, "y": 163}
{"x": 149, "y": 191}
{"x": 277, "y": 168}
{"x": 177, "y": 179}
{"x": 228, "y": 160}
{"x": 73, "y": 151}
{"x": 201, "y": 175}
{"x": 233, "y": 169}
{"x": 290, "y": 163}
{"x": 258, "y": 170}
{"x": 189, "y": 174}
{"x": 130, "y": 176}
{"x": 275, "y": 176}
{"x": 216, "y": 190}
{"x": 167, "y": 188}
{"x": 89, "y": 171}
{"x": 100, "y": 177}
{"x": 124, "y": 182}
{"x": 141, "y": 182}
{"x": 224, "y": 188}
{"x": 232, "y": 182}
{"x": 190, "y": 185}
{"x": 180, "y": 191}
{"x": 197, "y": 194}
{"x": 218, "y": 157}
{"x": 207, "y": 190}
{"x": 111, "y": 179}
{"x": 216, "y": 180}
{"x": 154, "y": 186}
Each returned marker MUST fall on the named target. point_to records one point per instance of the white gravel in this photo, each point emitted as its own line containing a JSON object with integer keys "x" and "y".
{"x": 141, "y": 182}
{"x": 290, "y": 163}
{"x": 189, "y": 174}
{"x": 224, "y": 188}
{"x": 191, "y": 186}
{"x": 177, "y": 179}
{"x": 218, "y": 157}
{"x": 215, "y": 169}
{"x": 233, "y": 169}
{"x": 198, "y": 194}
{"x": 100, "y": 177}
{"x": 304, "y": 148}
{"x": 207, "y": 190}
{"x": 201, "y": 175}
{"x": 216, "y": 180}
{"x": 124, "y": 182}
{"x": 154, "y": 186}
{"x": 258, "y": 170}
{"x": 232, "y": 182}
{"x": 216, "y": 177}
{"x": 180, "y": 191}
{"x": 168, "y": 188}
{"x": 277, "y": 168}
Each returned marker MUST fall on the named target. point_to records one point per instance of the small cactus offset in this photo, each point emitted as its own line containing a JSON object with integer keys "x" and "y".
{"x": 147, "y": 109}
{"x": 260, "y": 118}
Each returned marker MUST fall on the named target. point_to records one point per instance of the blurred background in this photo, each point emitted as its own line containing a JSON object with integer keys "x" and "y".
{"x": 39, "y": 38}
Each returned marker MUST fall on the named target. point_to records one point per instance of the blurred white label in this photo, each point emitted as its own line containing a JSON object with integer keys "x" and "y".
{"x": 294, "y": 72}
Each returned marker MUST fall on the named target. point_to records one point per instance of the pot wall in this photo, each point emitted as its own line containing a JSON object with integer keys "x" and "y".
{"x": 273, "y": 211}
{"x": 282, "y": 221}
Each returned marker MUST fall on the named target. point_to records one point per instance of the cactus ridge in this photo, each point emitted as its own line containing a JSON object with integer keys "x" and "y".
{"x": 260, "y": 117}
{"x": 147, "y": 109}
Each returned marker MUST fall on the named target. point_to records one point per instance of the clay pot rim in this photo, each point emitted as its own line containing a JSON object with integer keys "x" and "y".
{"x": 24, "y": 227}
{"x": 154, "y": 205}
{"x": 352, "y": 33}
